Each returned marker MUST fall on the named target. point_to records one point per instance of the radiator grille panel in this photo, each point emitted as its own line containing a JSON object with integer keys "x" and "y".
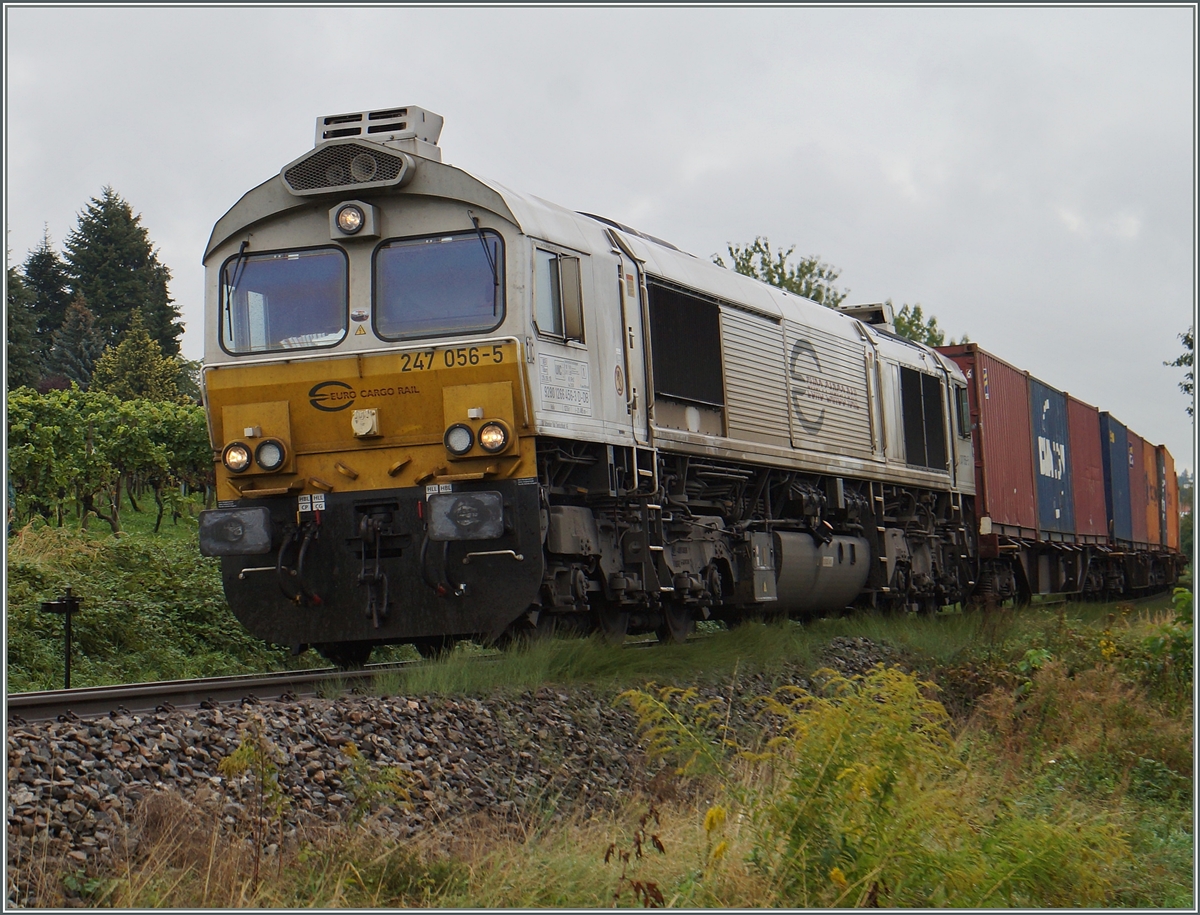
{"x": 829, "y": 401}
{"x": 755, "y": 386}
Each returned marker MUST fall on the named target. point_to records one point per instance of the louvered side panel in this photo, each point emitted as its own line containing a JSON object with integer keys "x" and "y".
{"x": 755, "y": 389}
{"x": 828, "y": 392}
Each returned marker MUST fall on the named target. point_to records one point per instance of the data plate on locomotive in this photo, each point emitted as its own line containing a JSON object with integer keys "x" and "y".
{"x": 454, "y": 357}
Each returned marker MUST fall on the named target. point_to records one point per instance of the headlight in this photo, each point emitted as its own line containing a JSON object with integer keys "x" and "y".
{"x": 269, "y": 455}
{"x": 236, "y": 457}
{"x": 493, "y": 437}
{"x": 459, "y": 439}
{"x": 350, "y": 218}
{"x": 236, "y": 532}
{"x": 363, "y": 167}
{"x": 465, "y": 516}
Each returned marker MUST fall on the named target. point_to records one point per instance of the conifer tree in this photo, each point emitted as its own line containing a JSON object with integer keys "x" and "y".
{"x": 23, "y": 364}
{"x": 46, "y": 277}
{"x": 136, "y": 368}
{"x": 111, "y": 260}
{"x": 76, "y": 347}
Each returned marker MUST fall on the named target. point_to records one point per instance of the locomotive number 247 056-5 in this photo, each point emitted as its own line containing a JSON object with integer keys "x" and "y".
{"x": 452, "y": 357}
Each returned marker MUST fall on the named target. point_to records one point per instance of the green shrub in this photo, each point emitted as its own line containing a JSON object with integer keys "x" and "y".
{"x": 864, "y": 797}
{"x": 153, "y": 609}
{"x": 78, "y": 449}
{"x": 1093, "y": 732}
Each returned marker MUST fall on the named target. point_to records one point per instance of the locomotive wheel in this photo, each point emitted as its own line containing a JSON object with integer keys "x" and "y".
{"x": 521, "y": 632}
{"x": 613, "y": 623}
{"x": 346, "y": 655}
{"x": 677, "y": 623}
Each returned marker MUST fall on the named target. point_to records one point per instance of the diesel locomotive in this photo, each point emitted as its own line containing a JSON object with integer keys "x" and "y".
{"x": 441, "y": 409}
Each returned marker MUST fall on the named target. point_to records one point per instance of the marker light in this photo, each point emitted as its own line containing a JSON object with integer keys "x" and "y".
{"x": 236, "y": 457}
{"x": 350, "y": 218}
{"x": 493, "y": 437}
{"x": 459, "y": 439}
{"x": 269, "y": 455}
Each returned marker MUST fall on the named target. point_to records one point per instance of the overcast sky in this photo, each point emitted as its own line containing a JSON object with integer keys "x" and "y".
{"x": 1027, "y": 175}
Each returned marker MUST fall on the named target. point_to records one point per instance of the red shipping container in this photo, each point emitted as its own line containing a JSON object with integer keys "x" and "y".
{"x": 1170, "y": 503}
{"x": 1153, "y": 496}
{"x": 1087, "y": 471}
{"x": 998, "y": 395}
{"x": 1137, "y": 487}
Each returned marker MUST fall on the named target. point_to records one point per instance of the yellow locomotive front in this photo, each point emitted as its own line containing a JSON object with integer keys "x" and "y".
{"x": 367, "y": 398}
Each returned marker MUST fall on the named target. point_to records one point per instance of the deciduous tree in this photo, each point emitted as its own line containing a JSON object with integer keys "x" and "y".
{"x": 912, "y": 324}
{"x": 809, "y": 277}
{"x": 1184, "y": 361}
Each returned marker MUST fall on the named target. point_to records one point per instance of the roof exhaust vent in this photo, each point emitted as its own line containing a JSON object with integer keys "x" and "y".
{"x": 409, "y": 129}
{"x": 880, "y": 314}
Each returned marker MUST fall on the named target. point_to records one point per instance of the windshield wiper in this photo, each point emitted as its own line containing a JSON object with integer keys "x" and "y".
{"x": 491, "y": 261}
{"x": 239, "y": 267}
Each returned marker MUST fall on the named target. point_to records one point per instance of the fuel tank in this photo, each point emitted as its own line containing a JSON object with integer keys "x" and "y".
{"x": 813, "y": 578}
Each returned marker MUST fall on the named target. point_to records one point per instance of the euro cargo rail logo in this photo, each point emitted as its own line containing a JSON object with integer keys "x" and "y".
{"x": 331, "y": 396}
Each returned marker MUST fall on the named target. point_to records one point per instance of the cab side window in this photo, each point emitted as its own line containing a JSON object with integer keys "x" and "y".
{"x": 558, "y": 296}
{"x": 963, "y": 408}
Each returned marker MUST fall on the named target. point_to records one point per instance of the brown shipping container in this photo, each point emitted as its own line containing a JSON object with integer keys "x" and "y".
{"x": 1153, "y": 496}
{"x": 1087, "y": 470}
{"x": 999, "y": 401}
{"x": 1170, "y": 504}
{"x": 1137, "y": 487}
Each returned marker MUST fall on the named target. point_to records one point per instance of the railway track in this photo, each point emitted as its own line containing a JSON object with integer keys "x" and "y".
{"x": 92, "y": 701}
{"x": 146, "y": 697}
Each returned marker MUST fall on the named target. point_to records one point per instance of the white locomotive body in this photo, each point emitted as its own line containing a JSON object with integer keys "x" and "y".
{"x": 589, "y": 425}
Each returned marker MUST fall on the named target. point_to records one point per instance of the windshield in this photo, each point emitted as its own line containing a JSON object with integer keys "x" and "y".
{"x": 285, "y": 300}
{"x": 449, "y": 284}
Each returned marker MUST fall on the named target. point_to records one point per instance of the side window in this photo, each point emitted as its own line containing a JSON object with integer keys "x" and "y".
{"x": 558, "y": 296}
{"x": 963, "y": 407}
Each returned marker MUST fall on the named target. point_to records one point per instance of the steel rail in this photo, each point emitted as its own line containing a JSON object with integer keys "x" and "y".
{"x": 91, "y": 701}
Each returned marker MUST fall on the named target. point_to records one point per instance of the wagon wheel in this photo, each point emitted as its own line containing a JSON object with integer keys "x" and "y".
{"x": 434, "y": 647}
{"x": 346, "y": 655}
{"x": 677, "y": 622}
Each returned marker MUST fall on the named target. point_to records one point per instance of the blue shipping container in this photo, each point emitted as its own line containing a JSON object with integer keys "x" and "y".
{"x": 1115, "y": 450}
{"x": 1052, "y": 458}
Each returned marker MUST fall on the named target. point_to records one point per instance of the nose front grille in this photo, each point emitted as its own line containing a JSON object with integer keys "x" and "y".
{"x": 344, "y": 165}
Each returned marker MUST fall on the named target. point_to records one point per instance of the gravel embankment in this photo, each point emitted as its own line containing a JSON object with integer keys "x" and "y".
{"x": 76, "y": 789}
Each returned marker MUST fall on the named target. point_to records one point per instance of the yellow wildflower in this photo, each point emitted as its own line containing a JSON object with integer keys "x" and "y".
{"x": 714, "y": 819}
